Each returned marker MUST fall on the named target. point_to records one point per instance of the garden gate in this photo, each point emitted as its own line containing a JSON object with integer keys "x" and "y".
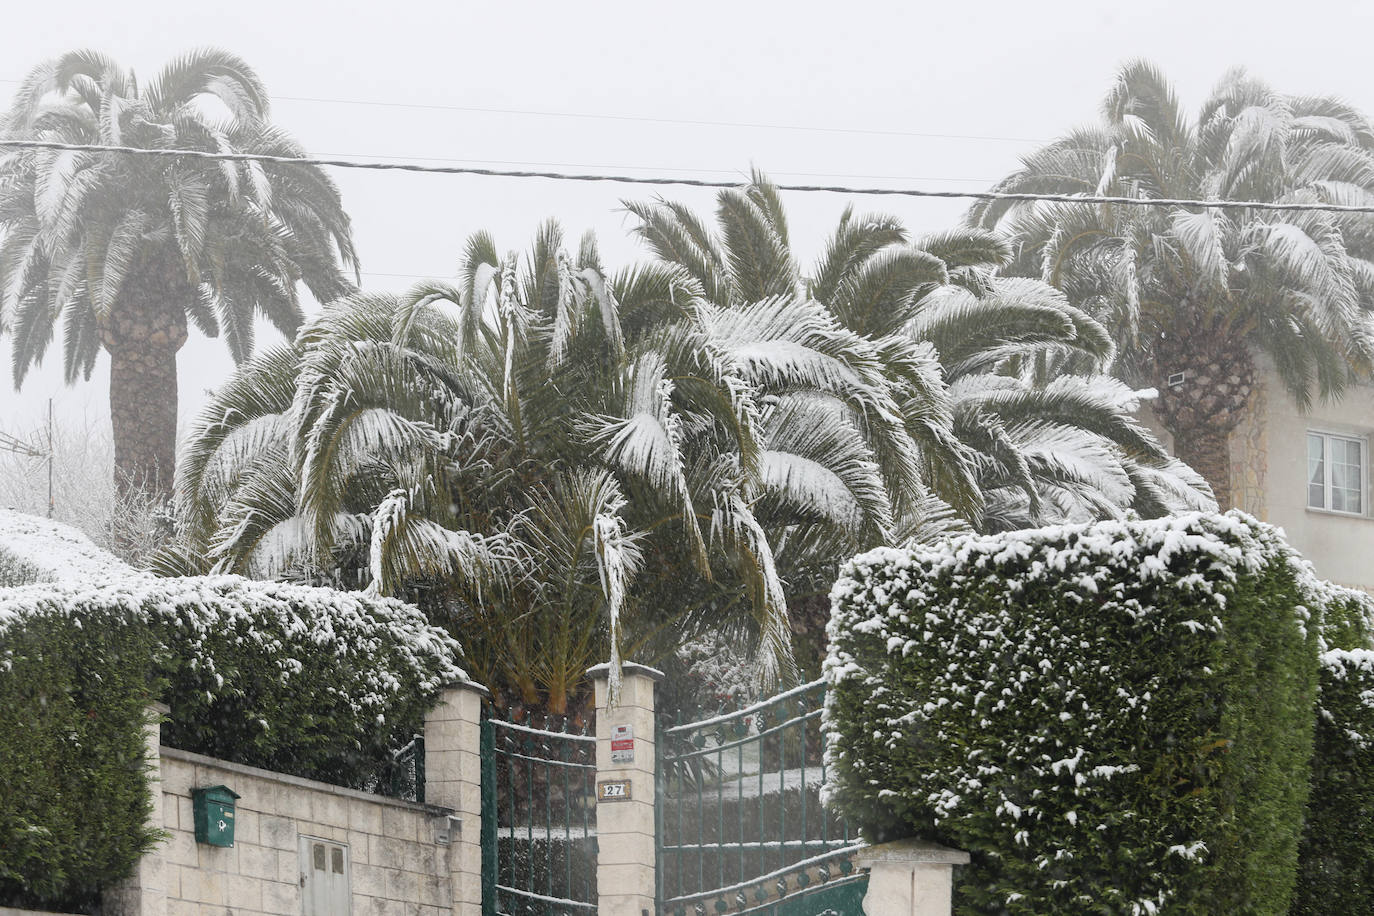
{"x": 538, "y": 819}
{"x": 740, "y": 826}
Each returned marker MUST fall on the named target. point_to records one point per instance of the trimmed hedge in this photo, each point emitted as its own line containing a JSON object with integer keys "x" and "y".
{"x": 1336, "y": 870}
{"x": 1111, "y": 718}
{"x": 73, "y": 789}
{"x": 305, "y": 681}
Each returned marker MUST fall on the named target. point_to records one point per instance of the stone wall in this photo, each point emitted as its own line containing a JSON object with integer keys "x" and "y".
{"x": 394, "y": 857}
{"x": 397, "y": 865}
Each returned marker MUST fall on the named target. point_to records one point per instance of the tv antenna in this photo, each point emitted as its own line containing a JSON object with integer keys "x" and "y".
{"x": 18, "y": 446}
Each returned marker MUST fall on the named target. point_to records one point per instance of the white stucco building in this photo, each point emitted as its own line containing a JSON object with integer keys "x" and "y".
{"x": 1308, "y": 474}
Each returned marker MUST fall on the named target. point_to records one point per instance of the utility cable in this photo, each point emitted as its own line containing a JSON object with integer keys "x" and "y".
{"x": 588, "y": 116}
{"x": 688, "y": 182}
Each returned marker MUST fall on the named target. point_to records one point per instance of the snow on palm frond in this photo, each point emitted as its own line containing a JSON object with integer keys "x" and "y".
{"x": 930, "y": 520}
{"x": 1202, "y": 238}
{"x": 818, "y": 462}
{"x": 1169, "y": 489}
{"x": 735, "y": 527}
{"x": 406, "y": 547}
{"x": 617, "y": 560}
{"x": 1062, "y": 455}
{"x": 852, "y": 244}
{"x": 645, "y": 439}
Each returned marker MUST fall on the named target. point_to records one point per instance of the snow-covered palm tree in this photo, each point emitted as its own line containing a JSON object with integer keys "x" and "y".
{"x": 1032, "y": 430}
{"x": 1193, "y": 293}
{"x": 123, "y": 251}
{"x": 564, "y": 450}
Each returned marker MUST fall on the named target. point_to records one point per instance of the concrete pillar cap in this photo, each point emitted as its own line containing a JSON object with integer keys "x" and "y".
{"x": 604, "y": 670}
{"x": 910, "y": 852}
{"x": 467, "y": 685}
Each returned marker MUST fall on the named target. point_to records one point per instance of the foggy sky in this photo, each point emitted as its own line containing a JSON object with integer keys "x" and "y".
{"x": 992, "y": 69}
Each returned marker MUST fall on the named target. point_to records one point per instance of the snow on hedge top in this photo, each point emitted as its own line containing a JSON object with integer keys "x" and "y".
{"x": 56, "y": 552}
{"x": 1104, "y": 553}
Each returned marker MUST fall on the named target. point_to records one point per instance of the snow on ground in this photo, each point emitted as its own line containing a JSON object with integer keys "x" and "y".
{"x": 58, "y": 552}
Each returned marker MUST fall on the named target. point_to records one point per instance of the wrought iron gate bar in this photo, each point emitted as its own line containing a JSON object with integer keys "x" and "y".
{"x": 770, "y": 844}
{"x": 562, "y": 736}
{"x": 557, "y": 901}
{"x": 746, "y": 711}
{"x": 834, "y": 854}
{"x": 730, "y": 745}
{"x": 552, "y": 763}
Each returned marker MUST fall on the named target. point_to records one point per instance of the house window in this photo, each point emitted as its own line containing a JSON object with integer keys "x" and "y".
{"x": 1335, "y": 473}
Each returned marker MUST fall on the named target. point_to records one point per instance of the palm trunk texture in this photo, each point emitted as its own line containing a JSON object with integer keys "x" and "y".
{"x": 143, "y": 412}
{"x": 143, "y": 333}
{"x": 1205, "y": 407}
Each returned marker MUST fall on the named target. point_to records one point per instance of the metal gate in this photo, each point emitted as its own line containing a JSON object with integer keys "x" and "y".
{"x": 740, "y": 825}
{"x": 538, "y": 819}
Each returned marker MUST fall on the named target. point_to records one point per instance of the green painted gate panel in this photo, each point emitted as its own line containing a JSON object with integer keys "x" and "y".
{"x": 740, "y": 827}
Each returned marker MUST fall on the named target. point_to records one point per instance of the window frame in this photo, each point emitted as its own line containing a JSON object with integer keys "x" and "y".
{"x": 1327, "y": 435}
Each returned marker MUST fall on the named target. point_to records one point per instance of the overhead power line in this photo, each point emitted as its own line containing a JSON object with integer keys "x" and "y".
{"x": 687, "y": 182}
{"x": 644, "y": 119}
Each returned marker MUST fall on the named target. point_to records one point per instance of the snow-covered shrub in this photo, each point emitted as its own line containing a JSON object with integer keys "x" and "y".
{"x": 1112, "y": 718}
{"x": 1336, "y": 859}
{"x": 14, "y": 571}
{"x": 302, "y": 680}
{"x": 50, "y": 551}
{"x": 73, "y": 796}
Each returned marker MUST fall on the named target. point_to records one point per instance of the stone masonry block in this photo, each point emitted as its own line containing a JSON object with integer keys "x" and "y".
{"x": 399, "y": 823}
{"x": 181, "y": 849}
{"x": 258, "y": 862}
{"x": 245, "y": 828}
{"x": 178, "y": 777}
{"x": 369, "y": 880}
{"x": 402, "y": 885}
{"x": 288, "y": 865}
{"x": 290, "y": 801}
{"x": 182, "y": 908}
{"x": 280, "y": 899}
{"x": 243, "y": 891}
{"x": 206, "y": 886}
{"x": 332, "y": 810}
{"x": 365, "y": 817}
{"x": 278, "y": 833}
{"x": 634, "y": 817}
{"x": 625, "y": 849}
{"x": 359, "y": 846}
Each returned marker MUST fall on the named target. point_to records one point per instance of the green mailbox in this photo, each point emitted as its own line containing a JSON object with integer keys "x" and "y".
{"x": 213, "y": 810}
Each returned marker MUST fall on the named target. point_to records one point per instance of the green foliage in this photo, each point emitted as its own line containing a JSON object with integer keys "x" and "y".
{"x": 1108, "y": 717}
{"x": 300, "y": 680}
{"x": 1336, "y": 859}
{"x": 72, "y": 772}
{"x": 14, "y": 571}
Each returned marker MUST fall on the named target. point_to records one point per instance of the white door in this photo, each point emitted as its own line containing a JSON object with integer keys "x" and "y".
{"x": 324, "y": 878}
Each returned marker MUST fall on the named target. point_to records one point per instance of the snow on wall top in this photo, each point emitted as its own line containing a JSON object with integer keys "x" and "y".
{"x": 58, "y": 552}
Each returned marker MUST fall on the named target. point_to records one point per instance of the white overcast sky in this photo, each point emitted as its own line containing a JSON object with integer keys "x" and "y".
{"x": 976, "y": 73}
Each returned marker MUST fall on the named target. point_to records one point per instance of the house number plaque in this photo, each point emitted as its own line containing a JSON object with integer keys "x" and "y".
{"x": 613, "y": 790}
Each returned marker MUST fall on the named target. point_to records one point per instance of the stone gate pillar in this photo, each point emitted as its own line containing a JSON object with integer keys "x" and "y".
{"x": 910, "y": 878}
{"x": 453, "y": 779}
{"x": 626, "y": 761}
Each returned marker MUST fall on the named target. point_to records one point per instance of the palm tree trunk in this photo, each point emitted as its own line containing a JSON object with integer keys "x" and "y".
{"x": 1207, "y": 451}
{"x": 143, "y": 412}
{"x": 1204, "y": 373}
{"x": 143, "y": 333}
